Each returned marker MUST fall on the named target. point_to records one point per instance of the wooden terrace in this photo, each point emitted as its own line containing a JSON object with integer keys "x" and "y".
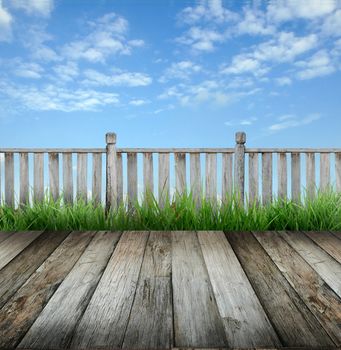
{"x": 166, "y": 290}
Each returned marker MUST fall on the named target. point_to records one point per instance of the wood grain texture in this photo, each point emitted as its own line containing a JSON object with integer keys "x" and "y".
{"x": 54, "y": 327}
{"x": 211, "y": 177}
{"x": 319, "y": 298}
{"x": 180, "y": 173}
{"x": 151, "y": 323}
{"x": 111, "y": 180}
{"x": 38, "y": 177}
{"x": 338, "y": 171}
{"x": 4, "y": 235}
{"x": 119, "y": 170}
{"x": 292, "y": 320}
{"x": 282, "y": 175}
{"x": 239, "y": 166}
{"x": 18, "y": 271}
{"x": 196, "y": 317}
{"x": 195, "y": 178}
{"x": 246, "y": 323}
{"x": 82, "y": 176}
{"x": 97, "y": 177}
{"x": 148, "y": 174}
{"x": 253, "y": 178}
{"x": 19, "y": 313}
{"x": 310, "y": 175}
{"x": 266, "y": 178}
{"x": 24, "y": 180}
{"x": 336, "y": 234}
{"x": 328, "y": 242}
{"x": 15, "y": 244}
{"x": 324, "y": 171}
{"x": 67, "y": 178}
{"x": 106, "y": 317}
{"x": 296, "y": 177}
{"x": 227, "y": 176}
{"x": 132, "y": 178}
{"x": 317, "y": 258}
{"x": 9, "y": 179}
{"x": 54, "y": 175}
{"x": 163, "y": 189}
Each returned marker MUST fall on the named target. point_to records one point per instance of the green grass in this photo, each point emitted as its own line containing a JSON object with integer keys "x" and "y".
{"x": 321, "y": 213}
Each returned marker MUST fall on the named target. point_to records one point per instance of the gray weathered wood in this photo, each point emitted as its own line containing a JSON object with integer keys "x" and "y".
{"x": 24, "y": 180}
{"x": 54, "y": 175}
{"x": 163, "y": 189}
{"x": 253, "y": 178}
{"x": 195, "y": 178}
{"x": 227, "y": 176}
{"x": 319, "y": 298}
{"x": 5, "y": 234}
{"x": 111, "y": 183}
{"x": 106, "y": 317}
{"x": 1, "y": 162}
{"x": 211, "y": 177}
{"x": 282, "y": 175}
{"x": 151, "y": 324}
{"x": 38, "y": 177}
{"x": 317, "y": 258}
{"x": 9, "y": 179}
{"x": 292, "y": 320}
{"x": 54, "y": 327}
{"x": 266, "y": 178}
{"x": 196, "y": 317}
{"x": 15, "y": 244}
{"x": 324, "y": 171}
{"x": 295, "y": 177}
{"x": 239, "y": 165}
{"x": 310, "y": 175}
{"x": 132, "y": 178}
{"x": 338, "y": 171}
{"x": 119, "y": 170}
{"x": 97, "y": 177}
{"x": 19, "y": 313}
{"x": 67, "y": 178}
{"x": 180, "y": 173}
{"x": 148, "y": 174}
{"x": 17, "y": 272}
{"x": 246, "y": 323}
{"x": 82, "y": 176}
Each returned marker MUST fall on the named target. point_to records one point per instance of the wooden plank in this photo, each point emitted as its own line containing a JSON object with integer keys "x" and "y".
{"x": 54, "y": 327}
{"x": 227, "y": 176}
{"x": 338, "y": 171}
{"x": 15, "y": 244}
{"x": 148, "y": 174}
{"x": 82, "y": 176}
{"x": 294, "y": 323}
{"x": 266, "y": 178}
{"x": 282, "y": 175}
{"x": 163, "y": 190}
{"x": 195, "y": 178}
{"x": 246, "y": 324}
{"x": 239, "y": 167}
{"x": 19, "y": 313}
{"x": 151, "y": 323}
{"x": 180, "y": 173}
{"x": 54, "y": 175}
{"x": 111, "y": 183}
{"x": 324, "y": 171}
{"x": 1, "y": 162}
{"x": 38, "y": 177}
{"x": 336, "y": 234}
{"x": 97, "y": 178}
{"x": 24, "y": 181}
{"x": 317, "y": 258}
{"x": 319, "y": 298}
{"x": 4, "y": 235}
{"x": 17, "y": 272}
{"x": 67, "y": 178}
{"x": 328, "y": 242}
{"x": 295, "y": 177}
{"x": 106, "y": 317}
{"x": 253, "y": 178}
{"x": 9, "y": 179}
{"x": 132, "y": 178}
{"x": 310, "y": 175}
{"x": 119, "y": 179}
{"x": 196, "y": 317}
{"x": 211, "y": 177}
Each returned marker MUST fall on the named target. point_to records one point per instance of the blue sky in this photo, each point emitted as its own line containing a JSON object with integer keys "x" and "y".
{"x": 170, "y": 73}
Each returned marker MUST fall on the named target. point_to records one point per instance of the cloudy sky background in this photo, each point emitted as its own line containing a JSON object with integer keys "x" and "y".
{"x": 170, "y": 73}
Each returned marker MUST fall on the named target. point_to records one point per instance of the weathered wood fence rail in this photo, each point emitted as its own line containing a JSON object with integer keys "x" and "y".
{"x": 239, "y": 166}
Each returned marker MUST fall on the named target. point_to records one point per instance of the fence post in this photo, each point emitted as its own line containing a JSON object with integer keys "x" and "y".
{"x": 239, "y": 165}
{"x": 111, "y": 172}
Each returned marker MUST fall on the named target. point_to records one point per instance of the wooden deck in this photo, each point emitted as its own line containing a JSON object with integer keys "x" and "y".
{"x": 170, "y": 290}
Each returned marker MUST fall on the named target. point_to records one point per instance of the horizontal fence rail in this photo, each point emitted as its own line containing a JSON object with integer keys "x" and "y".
{"x": 114, "y": 175}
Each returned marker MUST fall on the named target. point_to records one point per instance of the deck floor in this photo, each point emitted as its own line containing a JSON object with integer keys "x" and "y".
{"x": 180, "y": 289}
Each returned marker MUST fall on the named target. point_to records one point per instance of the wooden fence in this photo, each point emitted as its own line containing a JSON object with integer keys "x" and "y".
{"x": 239, "y": 166}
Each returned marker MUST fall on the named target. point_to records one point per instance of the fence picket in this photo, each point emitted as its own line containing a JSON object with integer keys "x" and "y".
{"x": 227, "y": 176}
{"x": 9, "y": 179}
{"x": 54, "y": 175}
{"x": 324, "y": 171}
{"x": 132, "y": 178}
{"x": 82, "y": 176}
{"x": 97, "y": 177}
{"x": 253, "y": 178}
{"x": 67, "y": 178}
{"x": 180, "y": 173}
{"x": 338, "y": 171}
{"x": 296, "y": 177}
{"x": 282, "y": 175}
{"x": 24, "y": 181}
{"x": 211, "y": 177}
{"x": 310, "y": 174}
{"x": 119, "y": 170}
{"x": 163, "y": 189}
{"x": 38, "y": 177}
{"x": 266, "y": 178}
{"x": 195, "y": 178}
{"x": 148, "y": 180}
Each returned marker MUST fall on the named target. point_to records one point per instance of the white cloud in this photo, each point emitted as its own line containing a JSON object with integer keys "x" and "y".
{"x": 34, "y": 7}
{"x": 332, "y": 24}
{"x": 180, "y": 70}
{"x": 282, "y": 81}
{"x": 5, "y": 24}
{"x": 28, "y": 70}
{"x": 131, "y": 79}
{"x": 66, "y": 72}
{"x": 290, "y": 121}
{"x": 138, "y": 102}
{"x": 245, "y": 64}
{"x": 243, "y": 122}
